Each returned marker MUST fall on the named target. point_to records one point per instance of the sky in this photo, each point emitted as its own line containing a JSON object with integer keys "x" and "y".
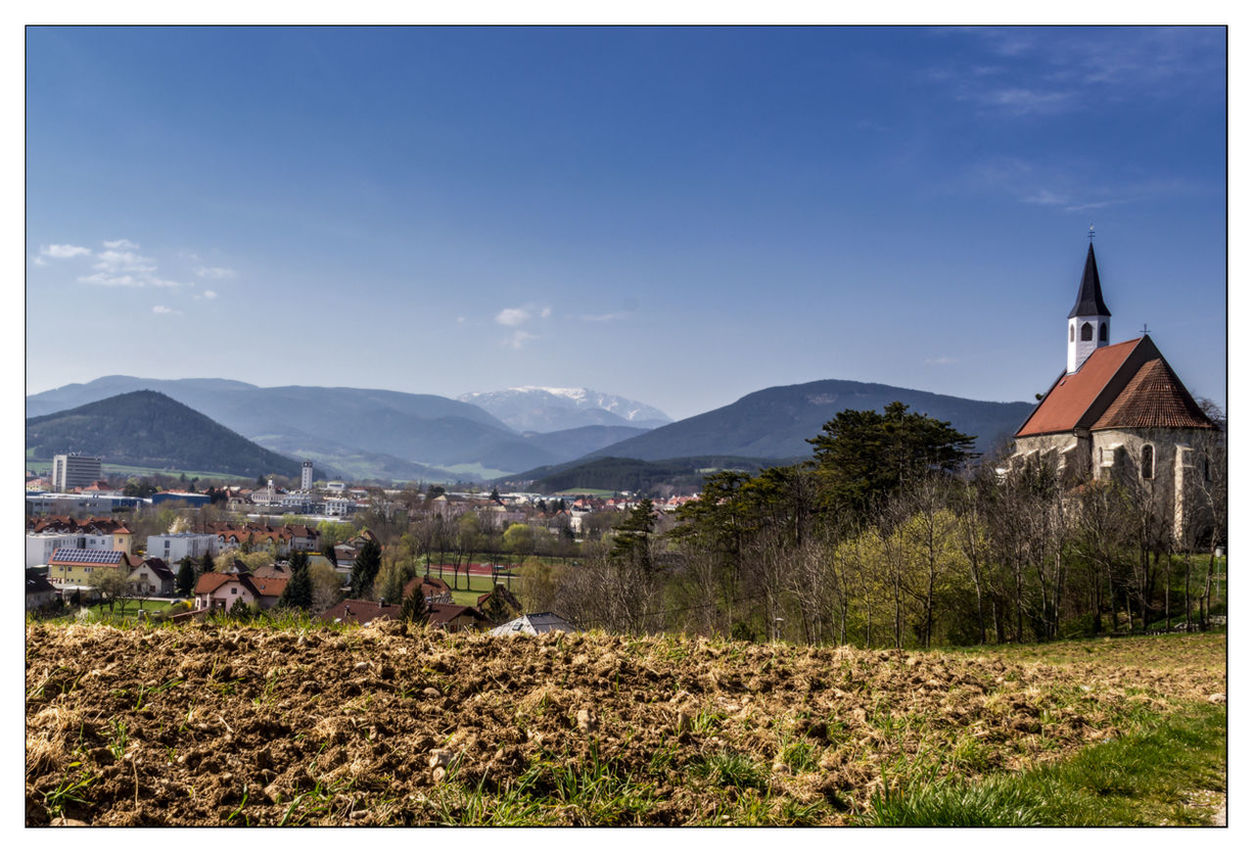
{"x": 677, "y": 215}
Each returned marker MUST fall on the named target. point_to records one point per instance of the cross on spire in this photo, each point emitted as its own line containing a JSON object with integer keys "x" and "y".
{"x": 1091, "y": 232}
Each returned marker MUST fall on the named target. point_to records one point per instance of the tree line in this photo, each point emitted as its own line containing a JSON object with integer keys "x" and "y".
{"x": 895, "y": 535}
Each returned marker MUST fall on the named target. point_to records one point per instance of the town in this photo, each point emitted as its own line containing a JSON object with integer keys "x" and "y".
{"x": 181, "y": 554}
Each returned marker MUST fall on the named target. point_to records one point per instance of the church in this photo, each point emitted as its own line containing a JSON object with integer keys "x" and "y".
{"x": 1119, "y": 412}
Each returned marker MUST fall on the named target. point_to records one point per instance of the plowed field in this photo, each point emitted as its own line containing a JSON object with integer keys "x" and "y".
{"x": 213, "y": 725}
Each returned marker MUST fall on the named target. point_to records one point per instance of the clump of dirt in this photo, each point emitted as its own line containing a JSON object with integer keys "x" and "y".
{"x": 214, "y": 725}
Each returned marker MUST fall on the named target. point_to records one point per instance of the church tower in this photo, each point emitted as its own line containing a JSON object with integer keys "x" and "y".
{"x": 1087, "y": 328}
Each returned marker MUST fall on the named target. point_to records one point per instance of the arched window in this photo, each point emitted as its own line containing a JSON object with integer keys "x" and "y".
{"x": 1072, "y": 333}
{"x": 1104, "y": 333}
{"x": 1085, "y": 332}
{"x": 1146, "y": 462}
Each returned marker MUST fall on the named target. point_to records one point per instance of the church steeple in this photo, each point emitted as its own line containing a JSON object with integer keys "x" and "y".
{"x": 1090, "y": 301}
{"x": 1087, "y": 327}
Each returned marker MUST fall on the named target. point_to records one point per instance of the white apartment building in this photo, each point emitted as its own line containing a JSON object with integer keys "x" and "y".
{"x": 41, "y": 546}
{"x": 306, "y": 476}
{"x": 70, "y": 470}
{"x": 173, "y": 547}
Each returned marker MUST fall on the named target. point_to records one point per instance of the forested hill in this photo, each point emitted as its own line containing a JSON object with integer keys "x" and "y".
{"x": 774, "y": 422}
{"x": 634, "y": 475}
{"x": 147, "y": 428}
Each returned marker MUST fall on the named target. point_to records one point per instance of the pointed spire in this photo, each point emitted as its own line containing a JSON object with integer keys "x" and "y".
{"x": 1090, "y": 302}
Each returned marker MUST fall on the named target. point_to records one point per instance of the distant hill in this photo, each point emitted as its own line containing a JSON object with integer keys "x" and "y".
{"x": 685, "y": 475}
{"x": 539, "y": 409}
{"x": 774, "y": 422}
{"x": 148, "y": 429}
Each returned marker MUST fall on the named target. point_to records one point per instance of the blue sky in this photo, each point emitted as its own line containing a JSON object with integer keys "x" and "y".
{"x": 681, "y": 216}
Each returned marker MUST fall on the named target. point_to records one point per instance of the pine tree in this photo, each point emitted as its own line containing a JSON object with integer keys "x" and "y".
{"x": 630, "y": 540}
{"x": 413, "y": 609}
{"x": 365, "y": 568}
{"x": 298, "y": 593}
{"x": 206, "y": 564}
{"x": 186, "y": 576}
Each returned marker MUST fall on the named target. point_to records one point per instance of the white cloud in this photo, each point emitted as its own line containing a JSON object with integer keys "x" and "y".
{"x": 546, "y": 312}
{"x": 63, "y": 250}
{"x": 210, "y": 294}
{"x": 604, "y": 318}
{"x": 513, "y": 316}
{"x": 519, "y": 339}
{"x": 215, "y": 272}
{"x": 941, "y": 359}
{"x": 113, "y": 260}
{"x": 119, "y": 244}
{"x": 111, "y": 280}
{"x": 38, "y": 261}
{"x": 162, "y": 309}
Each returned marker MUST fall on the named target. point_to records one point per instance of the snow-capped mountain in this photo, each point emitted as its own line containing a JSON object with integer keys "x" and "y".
{"x": 535, "y": 408}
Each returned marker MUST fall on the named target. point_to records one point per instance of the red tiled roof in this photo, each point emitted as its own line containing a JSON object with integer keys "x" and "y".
{"x": 358, "y": 610}
{"x": 1154, "y": 398}
{"x": 269, "y": 586}
{"x": 440, "y": 615}
{"x": 430, "y": 586}
{"x": 211, "y": 581}
{"x": 1063, "y": 408}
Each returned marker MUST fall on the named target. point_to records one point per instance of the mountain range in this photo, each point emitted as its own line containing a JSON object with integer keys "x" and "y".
{"x": 537, "y": 409}
{"x": 148, "y": 429}
{"x": 389, "y": 435}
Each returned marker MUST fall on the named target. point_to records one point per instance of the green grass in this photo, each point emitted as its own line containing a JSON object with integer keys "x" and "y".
{"x": 554, "y": 792}
{"x": 1149, "y": 777}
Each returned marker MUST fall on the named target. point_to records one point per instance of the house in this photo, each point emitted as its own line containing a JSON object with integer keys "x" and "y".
{"x": 499, "y": 605}
{"x": 151, "y": 577}
{"x": 39, "y": 593}
{"x": 1120, "y": 412}
{"x": 219, "y": 591}
{"x": 434, "y": 590}
{"x": 173, "y": 547}
{"x": 360, "y": 611}
{"x": 456, "y": 617}
{"x": 534, "y": 623}
{"x": 73, "y": 567}
{"x": 269, "y": 590}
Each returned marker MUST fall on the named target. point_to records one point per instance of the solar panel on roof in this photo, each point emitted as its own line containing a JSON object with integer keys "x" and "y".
{"x": 87, "y": 555}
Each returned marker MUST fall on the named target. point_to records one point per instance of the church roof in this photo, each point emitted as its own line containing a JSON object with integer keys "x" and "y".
{"x": 1089, "y": 301}
{"x": 1154, "y": 398}
{"x": 1122, "y": 385}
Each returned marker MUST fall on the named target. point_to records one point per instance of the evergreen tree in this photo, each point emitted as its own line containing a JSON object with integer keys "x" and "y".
{"x": 863, "y": 457}
{"x": 630, "y": 540}
{"x": 299, "y": 590}
{"x": 186, "y": 581}
{"x": 206, "y": 564}
{"x": 413, "y": 608}
{"x": 365, "y": 568}
{"x": 495, "y": 494}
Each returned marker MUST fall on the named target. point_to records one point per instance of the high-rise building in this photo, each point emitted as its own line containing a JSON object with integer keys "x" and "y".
{"x": 69, "y": 470}
{"x": 306, "y": 476}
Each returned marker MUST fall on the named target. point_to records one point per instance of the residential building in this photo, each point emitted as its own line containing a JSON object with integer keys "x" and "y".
{"x": 70, "y": 470}
{"x": 73, "y": 567}
{"x": 152, "y": 576}
{"x": 173, "y": 547}
{"x": 360, "y": 611}
{"x": 306, "y": 476}
{"x": 220, "y": 591}
{"x": 534, "y": 623}
{"x": 39, "y": 592}
{"x": 41, "y": 546}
